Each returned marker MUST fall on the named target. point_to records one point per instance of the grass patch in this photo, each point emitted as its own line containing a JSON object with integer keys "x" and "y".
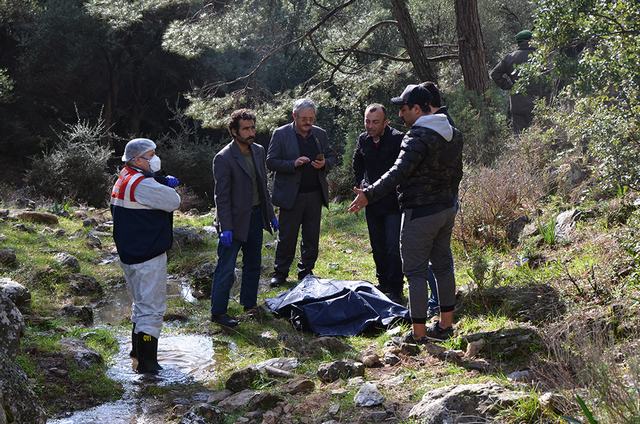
{"x": 100, "y": 340}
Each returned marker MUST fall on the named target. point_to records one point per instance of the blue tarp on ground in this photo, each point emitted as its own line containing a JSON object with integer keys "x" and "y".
{"x": 336, "y": 308}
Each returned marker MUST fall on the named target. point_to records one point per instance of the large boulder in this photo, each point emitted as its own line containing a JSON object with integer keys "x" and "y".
{"x": 11, "y": 326}
{"x": 505, "y": 344}
{"x": 18, "y": 293}
{"x": 18, "y": 402}
{"x": 469, "y": 403}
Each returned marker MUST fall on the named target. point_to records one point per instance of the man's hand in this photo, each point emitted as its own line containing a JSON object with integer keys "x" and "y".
{"x": 172, "y": 181}
{"x": 359, "y": 202}
{"x": 275, "y": 224}
{"x": 301, "y": 161}
{"x": 318, "y": 163}
{"x": 226, "y": 238}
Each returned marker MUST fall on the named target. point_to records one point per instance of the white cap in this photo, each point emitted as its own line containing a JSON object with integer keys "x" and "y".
{"x": 137, "y": 147}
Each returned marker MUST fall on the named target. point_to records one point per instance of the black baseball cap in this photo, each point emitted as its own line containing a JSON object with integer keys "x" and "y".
{"x": 414, "y": 94}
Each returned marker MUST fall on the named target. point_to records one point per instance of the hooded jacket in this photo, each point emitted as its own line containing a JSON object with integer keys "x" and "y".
{"x": 429, "y": 168}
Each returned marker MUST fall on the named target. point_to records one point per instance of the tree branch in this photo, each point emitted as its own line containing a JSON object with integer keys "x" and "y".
{"x": 266, "y": 57}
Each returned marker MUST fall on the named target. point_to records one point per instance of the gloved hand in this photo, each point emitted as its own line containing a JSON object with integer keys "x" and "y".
{"x": 226, "y": 237}
{"x": 275, "y": 224}
{"x": 172, "y": 181}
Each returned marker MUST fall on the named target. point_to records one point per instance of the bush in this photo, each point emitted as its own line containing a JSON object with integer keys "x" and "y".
{"x": 493, "y": 198}
{"x": 189, "y": 156}
{"x": 483, "y": 123}
{"x": 341, "y": 177}
{"x": 77, "y": 167}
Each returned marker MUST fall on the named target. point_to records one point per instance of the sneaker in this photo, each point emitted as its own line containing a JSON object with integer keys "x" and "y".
{"x": 438, "y": 334}
{"x": 224, "y": 320}
{"x": 408, "y": 339}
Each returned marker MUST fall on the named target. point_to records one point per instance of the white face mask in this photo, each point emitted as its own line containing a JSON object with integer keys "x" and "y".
{"x": 155, "y": 164}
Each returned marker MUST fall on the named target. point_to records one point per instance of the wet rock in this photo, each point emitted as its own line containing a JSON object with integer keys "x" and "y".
{"x": 84, "y": 285}
{"x": 242, "y": 379}
{"x": 68, "y": 261}
{"x": 331, "y": 344}
{"x": 19, "y": 294}
{"x": 84, "y": 314}
{"x": 505, "y": 344}
{"x": 371, "y": 360}
{"x": 368, "y": 395}
{"x": 37, "y": 217}
{"x": 453, "y": 403}
{"x": 391, "y": 359}
{"x": 301, "y": 385}
{"x": 238, "y": 400}
{"x": 11, "y": 326}
{"x": 515, "y": 228}
{"x": 201, "y": 278}
{"x": 219, "y": 395}
{"x": 18, "y": 402}
{"x": 565, "y": 224}
{"x": 185, "y": 237}
{"x": 81, "y": 354}
{"x": 203, "y": 414}
{"x": 8, "y": 257}
{"x": 345, "y": 368}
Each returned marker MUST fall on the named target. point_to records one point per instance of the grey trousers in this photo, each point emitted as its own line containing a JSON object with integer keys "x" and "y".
{"x": 147, "y": 286}
{"x": 306, "y": 213}
{"x": 422, "y": 240}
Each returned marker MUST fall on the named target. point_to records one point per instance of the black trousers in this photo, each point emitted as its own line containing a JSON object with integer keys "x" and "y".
{"x": 384, "y": 235}
{"x": 306, "y": 213}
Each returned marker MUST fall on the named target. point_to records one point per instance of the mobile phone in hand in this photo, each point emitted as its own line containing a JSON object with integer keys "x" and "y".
{"x": 320, "y": 156}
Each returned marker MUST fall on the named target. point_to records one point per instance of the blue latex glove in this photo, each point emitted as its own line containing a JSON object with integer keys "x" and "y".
{"x": 172, "y": 181}
{"x": 226, "y": 238}
{"x": 275, "y": 224}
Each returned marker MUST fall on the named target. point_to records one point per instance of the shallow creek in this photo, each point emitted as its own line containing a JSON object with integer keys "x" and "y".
{"x": 186, "y": 359}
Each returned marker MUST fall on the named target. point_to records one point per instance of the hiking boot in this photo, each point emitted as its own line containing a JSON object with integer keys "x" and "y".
{"x": 224, "y": 320}
{"x": 134, "y": 343}
{"x": 437, "y": 333}
{"x": 147, "y": 350}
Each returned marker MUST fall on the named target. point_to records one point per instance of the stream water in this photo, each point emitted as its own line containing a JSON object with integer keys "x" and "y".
{"x": 186, "y": 359}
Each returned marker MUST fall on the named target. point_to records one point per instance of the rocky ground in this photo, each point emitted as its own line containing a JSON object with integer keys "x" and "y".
{"x": 534, "y": 324}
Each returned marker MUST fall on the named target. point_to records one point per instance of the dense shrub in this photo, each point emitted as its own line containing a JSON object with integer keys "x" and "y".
{"x": 493, "y": 198}
{"x": 483, "y": 123}
{"x": 189, "y": 156}
{"x": 77, "y": 167}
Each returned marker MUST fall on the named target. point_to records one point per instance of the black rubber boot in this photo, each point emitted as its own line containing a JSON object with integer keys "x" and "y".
{"x": 134, "y": 343}
{"x": 147, "y": 347}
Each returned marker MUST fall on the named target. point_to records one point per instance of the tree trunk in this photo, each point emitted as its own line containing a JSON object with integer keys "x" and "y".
{"x": 471, "y": 46}
{"x": 412, "y": 41}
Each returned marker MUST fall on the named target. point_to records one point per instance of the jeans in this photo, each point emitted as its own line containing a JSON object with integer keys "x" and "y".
{"x": 384, "y": 235}
{"x": 224, "y": 274}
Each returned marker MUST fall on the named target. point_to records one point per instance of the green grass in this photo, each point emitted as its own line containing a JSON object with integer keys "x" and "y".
{"x": 98, "y": 339}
